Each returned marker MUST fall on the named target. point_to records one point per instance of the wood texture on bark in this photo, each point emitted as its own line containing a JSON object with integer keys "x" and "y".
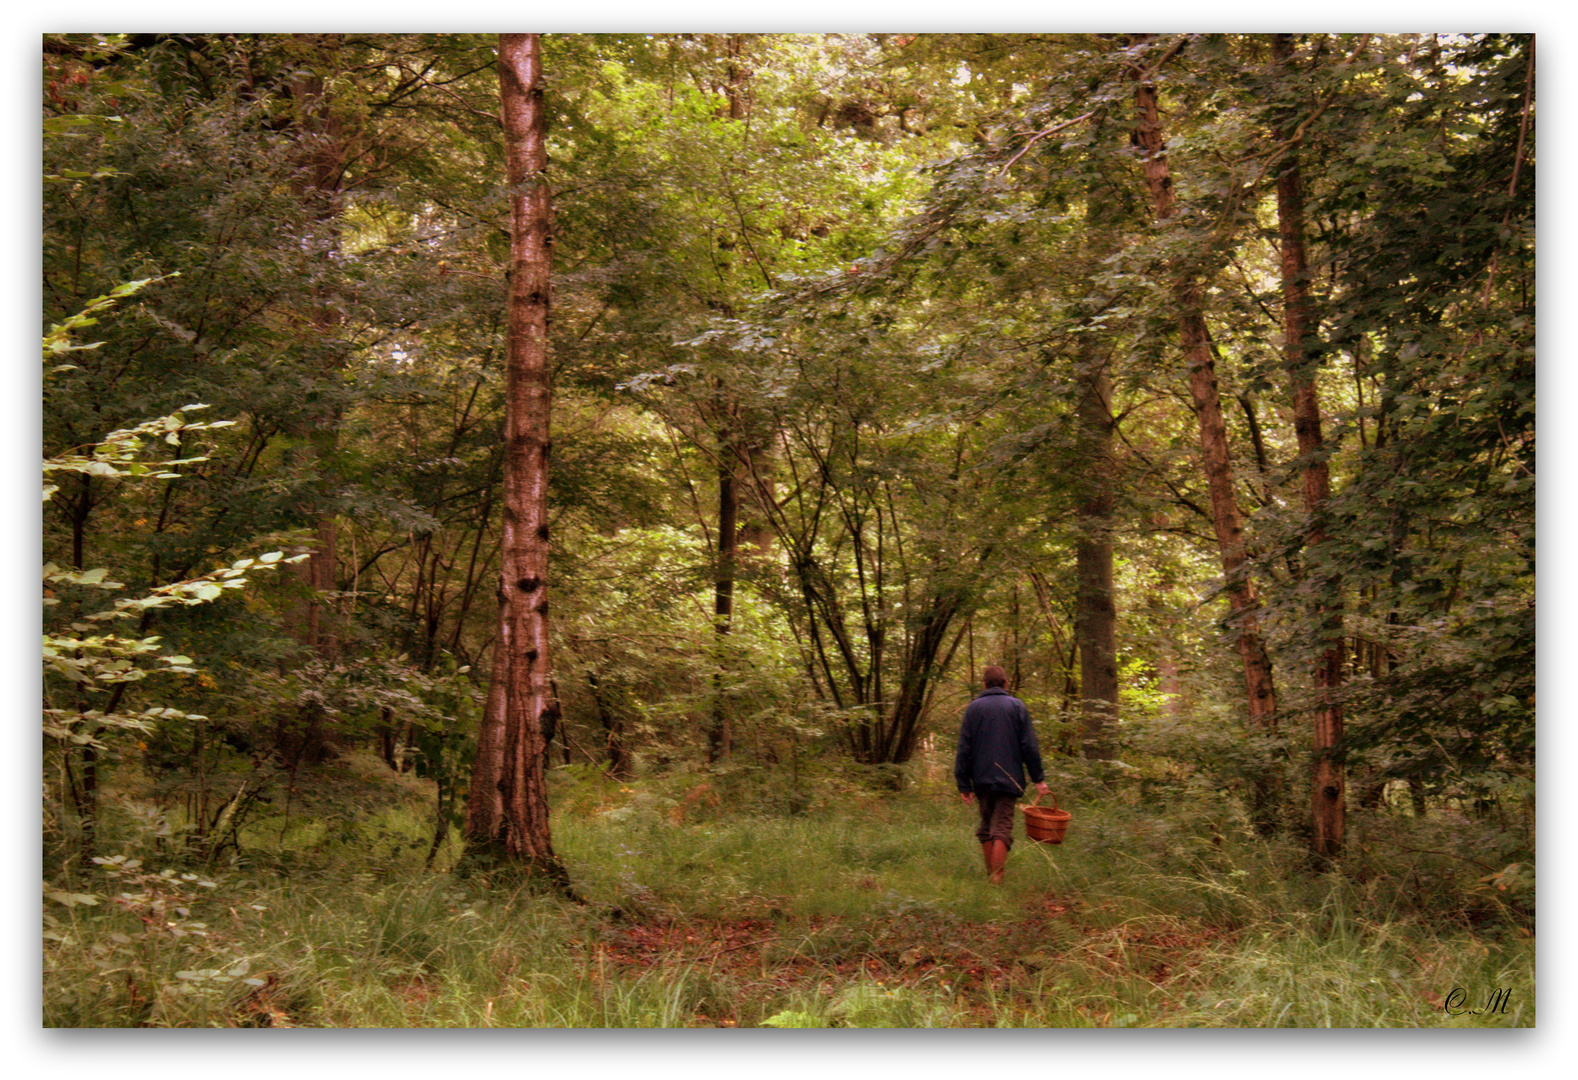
{"x": 529, "y": 707}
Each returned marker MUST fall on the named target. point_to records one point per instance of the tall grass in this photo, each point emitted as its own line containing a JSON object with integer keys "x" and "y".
{"x": 868, "y": 913}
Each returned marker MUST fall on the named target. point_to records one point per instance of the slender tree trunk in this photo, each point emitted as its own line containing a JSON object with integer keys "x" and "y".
{"x": 86, "y": 799}
{"x": 1196, "y": 343}
{"x": 718, "y": 732}
{"x": 322, "y": 138}
{"x": 305, "y": 736}
{"x": 900, "y": 737}
{"x": 1095, "y": 622}
{"x": 1061, "y": 669}
{"x": 529, "y": 709}
{"x": 484, "y": 798}
{"x": 613, "y": 729}
{"x": 1327, "y": 799}
{"x": 1226, "y": 518}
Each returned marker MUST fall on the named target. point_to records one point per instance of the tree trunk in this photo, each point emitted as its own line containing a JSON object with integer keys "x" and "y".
{"x": 899, "y": 737}
{"x": 1225, "y": 516}
{"x": 718, "y": 733}
{"x": 484, "y": 798}
{"x": 1327, "y": 799}
{"x": 521, "y": 834}
{"x": 1095, "y": 622}
{"x": 734, "y": 89}
{"x": 305, "y": 737}
{"x": 1196, "y": 343}
{"x": 321, "y": 164}
{"x": 613, "y": 730}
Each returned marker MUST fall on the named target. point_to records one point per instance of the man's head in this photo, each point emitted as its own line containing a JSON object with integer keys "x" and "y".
{"x": 994, "y": 676}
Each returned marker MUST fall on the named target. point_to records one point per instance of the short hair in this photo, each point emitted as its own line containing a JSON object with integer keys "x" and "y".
{"x": 993, "y": 675}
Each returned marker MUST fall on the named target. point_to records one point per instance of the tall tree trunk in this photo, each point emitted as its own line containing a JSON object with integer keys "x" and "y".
{"x": 322, "y": 139}
{"x": 718, "y": 733}
{"x": 522, "y": 835}
{"x": 1095, "y": 621}
{"x": 1327, "y": 799}
{"x": 1225, "y": 516}
{"x": 320, "y": 164}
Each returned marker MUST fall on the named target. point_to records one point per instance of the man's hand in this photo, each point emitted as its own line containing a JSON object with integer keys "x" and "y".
{"x": 966, "y": 796}
{"x": 1041, "y": 786}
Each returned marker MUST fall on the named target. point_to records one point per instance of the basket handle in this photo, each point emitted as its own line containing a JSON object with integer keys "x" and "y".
{"x": 1037, "y": 799}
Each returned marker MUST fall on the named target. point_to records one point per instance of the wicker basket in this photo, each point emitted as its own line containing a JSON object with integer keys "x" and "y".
{"x": 1045, "y": 826}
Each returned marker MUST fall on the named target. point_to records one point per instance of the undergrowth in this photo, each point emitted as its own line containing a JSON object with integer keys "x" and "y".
{"x": 867, "y": 910}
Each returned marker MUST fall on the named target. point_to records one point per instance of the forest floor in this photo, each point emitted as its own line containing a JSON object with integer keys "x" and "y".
{"x": 983, "y": 967}
{"x": 870, "y": 910}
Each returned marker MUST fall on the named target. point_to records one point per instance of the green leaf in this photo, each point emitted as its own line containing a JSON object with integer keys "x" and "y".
{"x": 72, "y": 899}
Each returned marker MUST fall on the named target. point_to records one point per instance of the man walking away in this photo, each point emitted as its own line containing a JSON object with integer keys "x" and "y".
{"x": 997, "y": 744}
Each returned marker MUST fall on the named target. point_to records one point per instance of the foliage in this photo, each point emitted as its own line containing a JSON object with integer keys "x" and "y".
{"x": 79, "y": 645}
{"x": 865, "y": 281}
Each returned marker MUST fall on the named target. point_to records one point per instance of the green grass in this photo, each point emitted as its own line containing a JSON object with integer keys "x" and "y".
{"x": 869, "y": 912}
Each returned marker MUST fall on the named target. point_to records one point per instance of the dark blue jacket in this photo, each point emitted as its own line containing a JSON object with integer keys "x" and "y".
{"x": 996, "y": 745}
